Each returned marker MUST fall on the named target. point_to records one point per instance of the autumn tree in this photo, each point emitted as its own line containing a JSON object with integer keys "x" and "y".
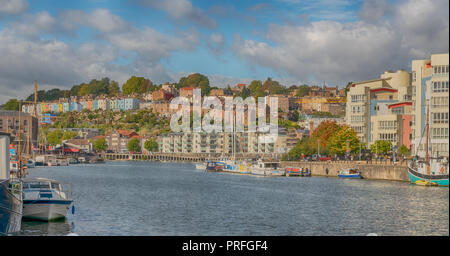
{"x": 345, "y": 140}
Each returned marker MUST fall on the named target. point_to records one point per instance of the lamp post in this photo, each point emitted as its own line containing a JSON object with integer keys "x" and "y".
{"x": 318, "y": 148}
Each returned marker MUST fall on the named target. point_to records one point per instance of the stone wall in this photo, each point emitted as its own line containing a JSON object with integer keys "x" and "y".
{"x": 368, "y": 171}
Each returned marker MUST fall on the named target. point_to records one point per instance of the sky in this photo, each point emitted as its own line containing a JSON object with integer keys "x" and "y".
{"x": 63, "y": 43}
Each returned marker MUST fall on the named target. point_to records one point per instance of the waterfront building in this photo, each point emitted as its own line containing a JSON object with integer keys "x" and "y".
{"x": 118, "y": 140}
{"x": 11, "y": 121}
{"x": 365, "y": 98}
{"x": 430, "y": 81}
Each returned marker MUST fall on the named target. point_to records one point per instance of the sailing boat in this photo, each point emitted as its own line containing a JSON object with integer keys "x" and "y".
{"x": 431, "y": 171}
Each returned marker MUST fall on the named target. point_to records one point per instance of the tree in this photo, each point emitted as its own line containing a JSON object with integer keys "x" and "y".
{"x": 195, "y": 80}
{"x": 137, "y": 85}
{"x": 133, "y": 145}
{"x": 100, "y": 145}
{"x": 403, "y": 150}
{"x": 55, "y": 137}
{"x": 322, "y": 135}
{"x": 113, "y": 89}
{"x": 151, "y": 145}
{"x": 302, "y": 90}
{"x": 381, "y": 147}
{"x": 67, "y": 135}
{"x": 344, "y": 140}
{"x": 12, "y": 104}
{"x": 302, "y": 147}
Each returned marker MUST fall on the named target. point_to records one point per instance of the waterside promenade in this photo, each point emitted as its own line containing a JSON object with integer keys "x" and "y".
{"x": 375, "y": 170}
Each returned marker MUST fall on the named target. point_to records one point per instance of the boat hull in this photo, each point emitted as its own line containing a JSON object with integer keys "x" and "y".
{"x": 45, "y": 210}
{"x": 440, "y": 180}
{"x": 350, "y": 176}
{"x": 10, "y": 210}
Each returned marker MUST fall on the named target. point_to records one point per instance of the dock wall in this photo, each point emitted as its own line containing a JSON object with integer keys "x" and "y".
{"x": 368, "y": 171}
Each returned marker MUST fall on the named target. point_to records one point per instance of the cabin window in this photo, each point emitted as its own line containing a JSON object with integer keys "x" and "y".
{"x": 39, "y": 185}
{"x": 55, "y": 186}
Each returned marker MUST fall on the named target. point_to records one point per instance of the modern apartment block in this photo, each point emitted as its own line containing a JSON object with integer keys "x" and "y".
{"x": 430, "y": 81}
{"x": 227, "y": 143}
{"x": 368, "y": 106}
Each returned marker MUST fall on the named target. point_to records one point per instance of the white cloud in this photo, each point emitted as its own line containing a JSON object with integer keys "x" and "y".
{"x": 182, "y": 10}
{"x": 12, "y": 7}
{"x": 100, "y": 19}
{"x": 26, "y": 56}
{"x": 216, "y": 43}
{"x": 328, "y": 51}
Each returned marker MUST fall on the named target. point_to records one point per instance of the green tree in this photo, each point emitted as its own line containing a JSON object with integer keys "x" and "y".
{"x": 151, "y": 145}
{"x": 345, "y": 139}
{"x": 403, "y": 150}
{"x": 195, "y": 80}
{"x": 113, "y": 89}
{"x": 100, "y": 145}
{"x": 67, "y": 135}
{"x": 55, "y": 137}
{"x": 12, "y": 104}
{"x": 136, "y": 85}
{"x": 302, "y": 147}
{"x": 302, "y": 90}
{"x": 381, "y": 147}
{"x": 133, "y": 145}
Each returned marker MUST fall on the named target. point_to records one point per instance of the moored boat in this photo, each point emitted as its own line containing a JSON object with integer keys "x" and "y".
{"x": 350, "y": 173}
{"x": 433, "y": 174}
{"x": 262, "y": 168}
{"x": 45, "y": 199}
{"x": 10, "y": 193}
{"x": 200, "y": 166}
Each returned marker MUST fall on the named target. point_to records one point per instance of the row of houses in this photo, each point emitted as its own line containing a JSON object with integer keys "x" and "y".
{"x": 66, "y": 105}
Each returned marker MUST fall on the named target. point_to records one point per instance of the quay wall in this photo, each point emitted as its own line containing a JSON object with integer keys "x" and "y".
{"x": 380, "y": 171}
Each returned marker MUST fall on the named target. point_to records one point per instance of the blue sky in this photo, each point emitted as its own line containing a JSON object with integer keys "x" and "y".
{"x": 62, "y": 43}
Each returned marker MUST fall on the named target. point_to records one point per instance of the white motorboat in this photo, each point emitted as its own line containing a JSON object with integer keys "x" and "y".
{"x": 200, "y": 166}
{"x": 45, "y": 199}
{"x": 267, "y": 169}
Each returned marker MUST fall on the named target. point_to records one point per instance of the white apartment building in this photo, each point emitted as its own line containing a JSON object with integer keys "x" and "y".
{"x": 430, "y": 81}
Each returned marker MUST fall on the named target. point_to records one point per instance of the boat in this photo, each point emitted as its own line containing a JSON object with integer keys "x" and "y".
{"x": 45, "y": 199}
{"x": 429, "y": 171}
{"x": 300, "y": 172}
{"x": 262, "y": 168}
{"x": 10, "y": 193}
{"x": 30, "y": 163}
{"x": 211, "y": 166}
{"x": 350, "y": 173}
{"x": 200, "y": 166}
{"x": 433, "y": 172}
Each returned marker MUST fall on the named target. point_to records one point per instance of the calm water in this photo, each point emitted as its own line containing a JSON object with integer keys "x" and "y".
{"x": 143, "y": 198}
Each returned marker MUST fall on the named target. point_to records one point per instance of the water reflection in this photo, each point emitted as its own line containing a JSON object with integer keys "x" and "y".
{"x": 42, "y": 228}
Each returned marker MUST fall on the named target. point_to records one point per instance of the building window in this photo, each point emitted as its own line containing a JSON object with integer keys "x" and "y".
{"x": 414, "y": 76}
{"x": 440, "y": 86}
{"x": 439, "y": 133}
{"x": 1, "y": 124}
{"x": 439, "y": 102}
{"x": 439, "y": 118}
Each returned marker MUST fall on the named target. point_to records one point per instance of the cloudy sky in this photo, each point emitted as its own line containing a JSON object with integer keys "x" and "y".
{"x": 62, "y": 43}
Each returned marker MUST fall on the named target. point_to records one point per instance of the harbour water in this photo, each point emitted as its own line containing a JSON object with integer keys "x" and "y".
{"x": 149, "y": 198}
